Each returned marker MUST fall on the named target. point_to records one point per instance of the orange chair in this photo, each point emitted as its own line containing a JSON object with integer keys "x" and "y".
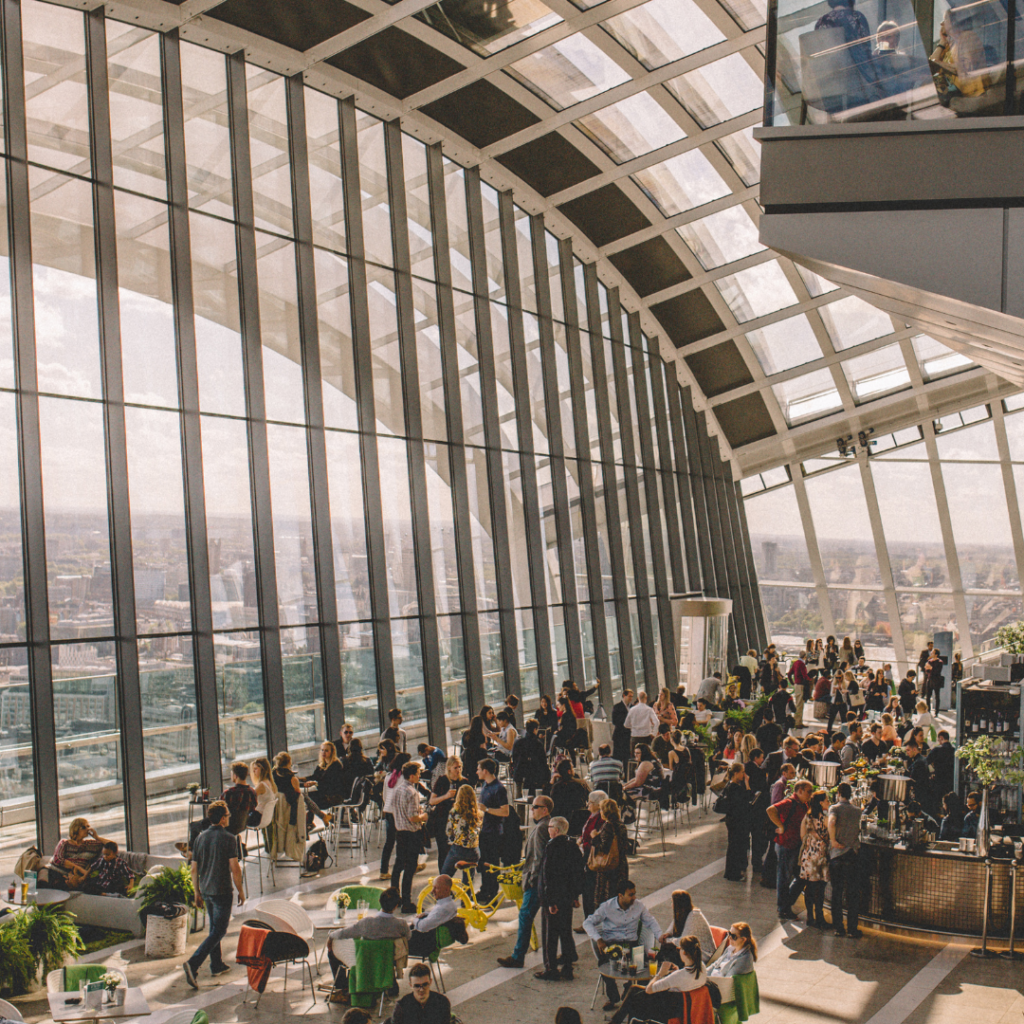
{"x": 696, "y": 1008}
{"x": 719, "y": 935}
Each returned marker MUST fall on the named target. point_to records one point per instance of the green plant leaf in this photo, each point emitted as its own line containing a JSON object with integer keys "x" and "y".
{"x": 172, "y": 885}
{"x": 17, "y": 965}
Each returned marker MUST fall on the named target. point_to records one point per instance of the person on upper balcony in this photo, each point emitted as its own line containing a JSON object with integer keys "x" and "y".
{"x": 958, "y": 60}
{"x": 859, "y": 39}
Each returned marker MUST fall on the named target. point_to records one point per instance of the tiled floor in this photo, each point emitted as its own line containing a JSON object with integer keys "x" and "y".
{"x": 804, "y": 975}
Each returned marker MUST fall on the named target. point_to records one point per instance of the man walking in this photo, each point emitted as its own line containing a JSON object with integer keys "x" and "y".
{"x": 786, "y": 816}
{"x": 535, "y": 847}
{"x": 844, "y": 858}
{"x": 214, "y": 867}
{"x": 561, "y": 884}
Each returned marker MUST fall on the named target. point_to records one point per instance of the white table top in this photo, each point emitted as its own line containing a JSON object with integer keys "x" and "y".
{"x": 135, "y": 1005}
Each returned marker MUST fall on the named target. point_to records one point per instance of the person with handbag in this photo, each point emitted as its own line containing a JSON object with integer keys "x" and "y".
{"x": 608, "y": 853}
{"x": 814, "y": 856}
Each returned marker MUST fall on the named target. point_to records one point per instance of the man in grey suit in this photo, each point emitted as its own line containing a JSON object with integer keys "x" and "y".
{"x": 382, "y": 925}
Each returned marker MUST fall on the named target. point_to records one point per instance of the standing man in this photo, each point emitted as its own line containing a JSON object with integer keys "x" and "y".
{"x": 802, "y": 687}
{"x": 620, "y": 734}
{"x": 907, "y": 691}
{"x": 494, "y": 809}
{"x": 561, "y": 885}
{"x": 642, "y": 722}
{"x": 214, "y": 867}
{"x": 940, "y": 760}
{"x": 786, "y": 816}
{"x": 345, "y": 736}
{"x": 708, "y": 689}
{"x": 851, "y": 751}
{"x": 409, "y": 819}
{"x": 395, "y": 720}
{"x": 844, "y": 859}
{"x": 776, "y": 792}
{"x": 535, "y": 847}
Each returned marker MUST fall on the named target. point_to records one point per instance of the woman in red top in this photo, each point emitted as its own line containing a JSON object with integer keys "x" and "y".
{"x": 576, "y": 705}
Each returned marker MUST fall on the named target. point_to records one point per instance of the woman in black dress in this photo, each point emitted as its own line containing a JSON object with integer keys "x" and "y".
{"x": 440, "y": 802}
{"x": 474, "y": 748}
{"x": 737, "y": 797}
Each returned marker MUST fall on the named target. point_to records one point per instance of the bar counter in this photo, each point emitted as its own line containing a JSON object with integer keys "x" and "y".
{"x": 936, "y": 890}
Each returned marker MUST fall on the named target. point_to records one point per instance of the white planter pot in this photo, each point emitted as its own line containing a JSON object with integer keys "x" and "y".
{"x": 166, "y": 938}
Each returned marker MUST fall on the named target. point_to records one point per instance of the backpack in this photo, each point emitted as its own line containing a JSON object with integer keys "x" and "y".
{"x": 317, "y": 857}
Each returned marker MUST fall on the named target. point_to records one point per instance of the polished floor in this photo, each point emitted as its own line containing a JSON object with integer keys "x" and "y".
{"x": 804, "y": 975}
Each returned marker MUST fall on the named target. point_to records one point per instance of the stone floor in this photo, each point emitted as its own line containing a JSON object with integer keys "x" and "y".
{"x": 804, "y": 975}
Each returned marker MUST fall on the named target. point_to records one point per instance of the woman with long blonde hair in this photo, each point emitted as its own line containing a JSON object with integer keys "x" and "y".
{"x": 462, "y": 830}
{"x": 665, "y": 709}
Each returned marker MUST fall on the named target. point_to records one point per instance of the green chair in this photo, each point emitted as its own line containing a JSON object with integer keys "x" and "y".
{"x": 363, "y": 892}
{"x": 746, "y": 1003}
{"x": 443, "y": 937}
{"x": 66, "y": 979}
{"x": 372, "y": 973}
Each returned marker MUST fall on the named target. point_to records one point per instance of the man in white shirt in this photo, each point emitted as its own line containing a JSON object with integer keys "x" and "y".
{"x": 642, "y": 722}
{"x": 750, "y": 661}
{"x": 619, "y": 920}
{"x": 423, "y": 940}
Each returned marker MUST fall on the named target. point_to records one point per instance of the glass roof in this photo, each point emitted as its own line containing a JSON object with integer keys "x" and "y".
{"x": 787, "y": 343}
{"x": 719, "y": 91}
{"x": 632, "y": 127}
{"x": 569, "y": 71}
{"x": 808, "y": 397}
{"x": 851, "y": 321}
{"x": 492, "y": 28}
{"x": 722, "y": 238}
{"x": 680, "y": 184}
{"x": 757, "y": 291}
{"x": 936, "y": 360}
{"x": 877, "y": 373}
{"x": 662, "y": 31}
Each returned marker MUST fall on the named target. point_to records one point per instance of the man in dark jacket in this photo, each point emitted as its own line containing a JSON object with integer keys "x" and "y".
{"x": 620, "y": 734}
{"x": 421, "y": 1006}
{"x": 561, "y": 885}
{"x": 529, "y": 760}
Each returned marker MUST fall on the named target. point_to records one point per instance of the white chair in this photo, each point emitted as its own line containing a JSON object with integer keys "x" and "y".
{"x": 10, "y": 1012}
{"x": 55, "y": 979}
{"x": 285, "y": 916}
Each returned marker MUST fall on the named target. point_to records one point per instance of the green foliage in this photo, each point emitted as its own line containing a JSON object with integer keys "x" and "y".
{"x": 1011, "y": 637}
{"x": 17, "y": 967}
{"x": 172, "y": 885}
{"x": 992, "y": 765}
{"x": 52, "y": 936}
{"x": 744, "y": 719}
{"x": 96, "y": 938}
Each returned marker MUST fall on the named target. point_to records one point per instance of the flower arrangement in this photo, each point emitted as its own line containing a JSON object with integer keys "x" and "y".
{"x": 110, "y": 981}
{"x": 193, "y": 788}
{"x": 342, "y": 900}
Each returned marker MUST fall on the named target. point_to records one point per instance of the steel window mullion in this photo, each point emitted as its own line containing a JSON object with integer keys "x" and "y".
{"x": 629, "y": 473}
{"x": 813, "y": 552}
{"x": 643, "y": 411}
{"x": 595, "y": 585}
{"x": 729, "y": 552}
{"x": 727, "y": 492}
{"x": 203, "y": 660}
{"x": 556, "y": 446}
{"x": 309, "y": 334}
{"x": 429, "y": 639}
{"x": 684, "y": 482}
{"x": 30, "y": 470}
{"x": 527, "y": 465}
{"x": 122, "y": 578}
{"x": 675, "y": 551}
{"x": 453, "y": 416}
{"x": 362, "y": 355}
{"x": 256, "y": 407}
{"x": 696, "y": 477}
{"x": 760, "y": 623}
{"x": 616, "y": 556}
{"x": 492, "y": 435}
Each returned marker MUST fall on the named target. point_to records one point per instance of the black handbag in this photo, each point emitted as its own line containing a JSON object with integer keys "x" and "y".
{"x": 716, "y": 994}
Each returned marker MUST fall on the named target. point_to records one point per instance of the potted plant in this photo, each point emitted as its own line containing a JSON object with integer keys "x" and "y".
{"x": 165, "y": 898}
{"x": 193, "y": 789}
{"x": 17, "y": 966}
{"x": 992, "y": 762}
{"x": 52, "y": 936}
{"x": 113, "y": 991}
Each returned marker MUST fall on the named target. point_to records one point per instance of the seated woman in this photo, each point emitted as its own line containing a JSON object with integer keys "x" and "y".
{"x": 327, "y": 777}
{"x": 740, "y": 956}
{"x": 952, "y": 824}
{"x": 649, "y": 778}
{"x": 75, "y": 856}
{"x": 889, "y": 734}
{"x": 663, "y": 747}
{"x": 703, "y": 714}
{"x": 354, "y": 765}
{"x": 958, "y": 60}
{"x": 547, "y": 717}
{"x": 501, "y": 748}
{"x": 924, "y": 718}
{"x": 686, "y": 920}
{"x": 660, "y": 997}
{"x": 565, "y": 737}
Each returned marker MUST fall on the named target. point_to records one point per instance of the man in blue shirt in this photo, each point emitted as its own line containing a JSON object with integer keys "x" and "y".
{"x": 494, "y": 808}
{"x": 970, "y": 829}
{"x": 430, "y": 758}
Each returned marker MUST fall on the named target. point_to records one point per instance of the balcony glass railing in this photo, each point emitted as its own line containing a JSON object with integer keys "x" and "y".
{"x": 841, "y": 62}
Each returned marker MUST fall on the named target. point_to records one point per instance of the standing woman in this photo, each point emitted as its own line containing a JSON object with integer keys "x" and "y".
{"x": 568, "y": 726}
{"x": 474, "y": 748}
{"x": 737, "y": 798}
{"x": 608, "y": 854}
{"x": 441, "y": 801}
{"x": 290, "y": 817}
{"x": 956, "y": 670}
{"x": 394, "y": 776}
{"x": 877, "y": 692}
{"x": 462, "y": 831}
{"x": 665, "y": 709}
{"x": 831, "y": 657}
{"x": 594, "y": 823}
{"x": 839, "y": 700}
{"x": 846, "y": 652}
{"x": 814, "y": 855}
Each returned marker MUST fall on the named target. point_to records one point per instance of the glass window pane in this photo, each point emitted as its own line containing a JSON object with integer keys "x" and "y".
{"x": 458, "y": 225}
{"x": 243, "y": 731}
{"x": 90, "y": 777}
{"x": 601, "y": 473}
{"x": 148, "y": 351}
{"x": 682, "y": 183}
{"x": 387, "y": 359}
{"x": 136, "y": 110}
{"x": 293, "y": 524}
{"x": 279, "y": 329}
{"x": 268, "y": 150}
{"x": 17, "y": 766}
{"x": 913, "y": 534}
{"x": 417, "y": 200}
{"x": 631, "y": 127}
{"x": 326, "y": 188}
{"x": 204, "y": 86}
{"x": 348, "y": 525}
{"x": 718, "y": 91}
{"x": 398, "y": 542}
{"x": 490, "y": 648}
{"x": 491, "y": 28}
{"x": 757, "y": 291}
{"x": 793, "y": 613}
{"x": 359, "y": 678}
{"x": 64, "y": 281}
{"x": 559, "y": 648}
{"x": 469, "y": 369}
{"x": 484, "y": 568}
{"x": 6, "y": 330}
{"x": 535, "y": 378}
{"x": 334, "y": 318}
{"x": 218, "y": 326}
{"x": 1015, "y": 436}
{"x": 428, "y": 358}
{"x": 981, "y": 525}
{"x": 879, "y": 373}
{"x": 747, "y": 14}
{"x": 722, "y": 237}
{"x": 524, "y": 247}
{"x": 972, "y": 444}
{"x": 840, "y": 513}
{"x": 936, "y": 360}
{"x": 568, "y": 72}
{"x": 526, "y": 639}
{"x": 453, "y": 665}
{"x": 549, "y": 532}
{"x": 492, "y": 242}
{"x": 56, "y": 96}
{"x": 373, "y": 183}
{"x": 12, "y": 590}
{"x": 785, "y": 344}
{"x": 662, "y": 31}
{"x": 442, "y": 528}
{"x": 863, "y": 614}
{"x": 303, "y": 692}
{"x": 579, "y": 551}
{"x": 851, "y": 321}
{"x": 743, "y": 151}
{"x": 155, "y": 489}
{"x": 516, "y": 530}
{"x": 808, "y": 397}
{"x": 503, "y": 375}
{"x": 814, "y": 284}
{"x": 77, "y": 532}
{"x": 229, "y": 523}
{"x": 554, "y": 277}
{"x": 410, "y": 687}
{"x": 922, "y": 615}
{"x": 624, "y": 526}
{"x": 564, "y": 392}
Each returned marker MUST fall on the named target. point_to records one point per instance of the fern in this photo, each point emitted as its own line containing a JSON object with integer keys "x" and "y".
{"x": 172, "y": 885}
{"x": 17, "y": 966}
{"x": 52, "y": 936}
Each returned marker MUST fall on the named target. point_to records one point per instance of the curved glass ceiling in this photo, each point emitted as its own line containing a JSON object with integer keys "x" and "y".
{"x": 659, "y": 99}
